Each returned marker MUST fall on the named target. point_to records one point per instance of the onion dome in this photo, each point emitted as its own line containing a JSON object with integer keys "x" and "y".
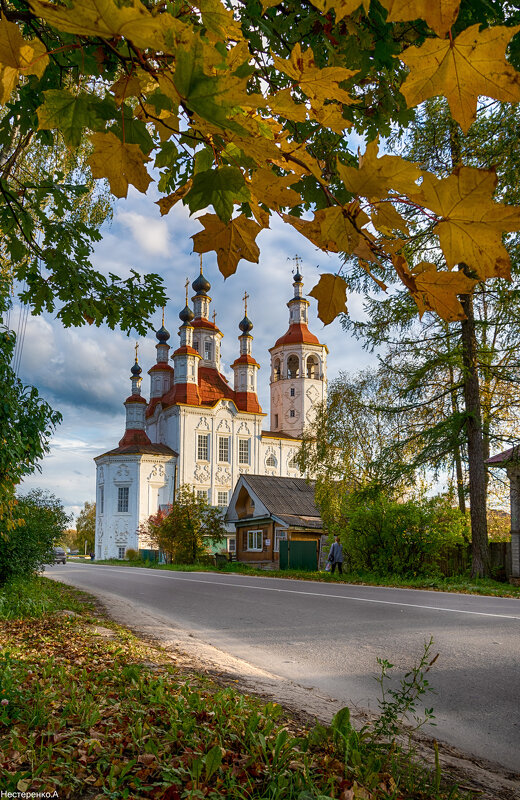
{"x": 136, "y": 370}
{"x": 201, "y": 285}
{"x": 162, "y": 335}
{"x": 186, "y": 315}
{"x": 246, "y": 325}
{"x": 297, "y": 277}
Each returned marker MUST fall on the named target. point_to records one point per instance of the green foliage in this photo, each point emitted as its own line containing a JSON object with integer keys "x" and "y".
{"x": 26, "y": 598}
{"x": 27, "y": 547}
{"x": 388, "y": 537}
{"x": 86, "y": 528}
{"x": 187, "y": 530}
{"x": 132, "y": 555}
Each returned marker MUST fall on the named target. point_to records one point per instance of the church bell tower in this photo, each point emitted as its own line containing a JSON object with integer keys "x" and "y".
{"x": 298, "y": 369}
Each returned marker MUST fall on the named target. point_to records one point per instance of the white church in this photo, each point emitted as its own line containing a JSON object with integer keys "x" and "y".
{"x": 198, "y": 430}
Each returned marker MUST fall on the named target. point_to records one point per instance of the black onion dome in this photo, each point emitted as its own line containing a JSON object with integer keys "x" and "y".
{"x": 136, "y": 370}
{"x": 246, "y": 325}
{"x": 162, "y": 335}
{"x": 297, "y": 277}
{"x": 201, "y": 285}
{"x": 186, "y": 314}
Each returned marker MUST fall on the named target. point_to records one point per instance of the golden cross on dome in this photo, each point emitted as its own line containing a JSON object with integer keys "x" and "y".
{"x": 136, "y": 349}
{"x": 214, "y": 317}
{"x": 186, "y": 285}
{"x": 297, "y": 261}
{"x": 201, "y": 263}
{"x": 163, "y": 316}
{"x": 245, "y": 297}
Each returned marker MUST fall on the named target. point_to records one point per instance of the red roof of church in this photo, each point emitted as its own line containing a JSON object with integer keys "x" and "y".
{"x": 135, "y": 398}
{"x": 245, "y": 359}
{"x": 201, "y": 322}
{"x": 162, "y": 366}
{"x": 298, "y": 333}
{"x": 134, "y": 436}
{"x": 212, "y": 387}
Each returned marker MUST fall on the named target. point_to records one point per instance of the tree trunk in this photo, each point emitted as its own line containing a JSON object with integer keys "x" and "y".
{"x": 477, "y": 471}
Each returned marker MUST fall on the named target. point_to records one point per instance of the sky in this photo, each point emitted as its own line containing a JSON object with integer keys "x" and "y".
{"x": 85, "y": 372}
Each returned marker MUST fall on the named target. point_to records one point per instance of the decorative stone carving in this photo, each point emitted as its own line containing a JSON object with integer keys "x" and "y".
{"x": 101, "y": 475}
{"x": 123, "y": 473}
{"x": 157, "y": 472}
{"x": 294, "y": 418}
{"x": 223, "y": 475}
{"x": 244, "y": 429}
{"x": 203, "y": 424}
{"x": 224, "y": 426}
{"x": 201, "y": 473}
{"x": 312, "y": 393}
{"x": 243, "y": 470}
{"x": 120, "y": 533}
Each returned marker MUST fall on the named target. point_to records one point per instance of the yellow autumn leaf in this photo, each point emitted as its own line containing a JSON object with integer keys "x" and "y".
{"x": 106, "y": 19}
{"x": 472, "y": 65}
{"x": 439, "y": 14}
{"x": 387, "y": 220}
{"x": 18, "y": 56}
{"x": 471, "y": 223}
{"x": 316, "y": 83}
{"x": 126, "y": 86}
{"x": 164, "y": 122}
{"x": 341, "y": 8}
{"x": 218, "y": 19}
{"x": 283, "y": 103}
{"x": 330, "y": 230}
{"x": 273, "y": 190}
{"x": 438, "y": 290}
{"x": 331, "y": 294}
{"x": 330, "y": 116}
{"x": 118, "y": 162}
{"x": 232, "y": 241}
{"x": 375, "y": 176}
{"x": 167, "y": 203}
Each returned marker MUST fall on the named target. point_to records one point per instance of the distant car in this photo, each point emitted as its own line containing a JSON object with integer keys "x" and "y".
{"x": 60, "y": 556}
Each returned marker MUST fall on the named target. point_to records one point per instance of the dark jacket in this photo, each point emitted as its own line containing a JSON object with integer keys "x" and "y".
{"x": 336, "y": 553}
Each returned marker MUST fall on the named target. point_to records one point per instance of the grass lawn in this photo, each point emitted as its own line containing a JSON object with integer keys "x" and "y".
{"x": 88, "y": 711}
{"x": 462, "y": 584}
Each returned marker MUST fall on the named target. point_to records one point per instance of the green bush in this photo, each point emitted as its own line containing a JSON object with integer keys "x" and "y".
{"x": 388, "y": 537}
{"x": 132, "y": 555}
{"x": 40, "y": 521}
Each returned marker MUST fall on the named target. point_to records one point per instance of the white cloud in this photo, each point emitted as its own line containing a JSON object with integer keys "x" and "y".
{"x": 151, "y": 234}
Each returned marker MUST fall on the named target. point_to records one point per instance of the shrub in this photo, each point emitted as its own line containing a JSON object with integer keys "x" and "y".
{"x": 388, "y": 537}
{"x": 132, "y": 555}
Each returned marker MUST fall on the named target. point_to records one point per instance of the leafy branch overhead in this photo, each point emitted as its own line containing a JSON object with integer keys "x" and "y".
{"x": 193, "y": 98}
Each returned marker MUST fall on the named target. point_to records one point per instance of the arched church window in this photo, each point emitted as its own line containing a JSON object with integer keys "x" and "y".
{"x": 276, "y": 369}
{"x": 293, "y": 367}
{"x": 270, "y": 461}
{"x": 313, "y": 367}
{"x": 291, "y": 464}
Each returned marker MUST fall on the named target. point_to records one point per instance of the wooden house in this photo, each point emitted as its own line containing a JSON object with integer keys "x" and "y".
{"x": 266, "y": 509}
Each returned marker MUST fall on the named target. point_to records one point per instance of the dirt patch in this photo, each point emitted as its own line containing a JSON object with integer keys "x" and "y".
{"x": 305, "y": 704}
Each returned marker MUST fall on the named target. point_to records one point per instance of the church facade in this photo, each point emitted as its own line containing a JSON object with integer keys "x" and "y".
{"x": 196, "y": 429}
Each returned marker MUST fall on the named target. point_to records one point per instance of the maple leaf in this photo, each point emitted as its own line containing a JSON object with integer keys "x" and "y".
{"x": 386, "y": 219}
{"x": 341, "y": 8}
{"x": 330, "y": 116}
{"x": 319, "y": 84}
{"x": 471, "y": 224}
{"x": 331, "y": 294}
{"x": 220, "y": 188}
{"x": 166, "y": 203}
{"x": 18, "y": 56}
{"x": 440, "y": 14}
{"x": 126, "y": 86}
{"x": 282, "y": 103}
{"x": 438, "y": 290}
{"x": 218, "y": 19}
{"x": 375, "y": 176}
{"x": 330, "y": 230}
{"x": 71, "y": 113}
{"x": 232, "y": 241}
{"x": 472, "y": 65}
{"x": 273, "y": 190}
{"x": 120, "y": 163}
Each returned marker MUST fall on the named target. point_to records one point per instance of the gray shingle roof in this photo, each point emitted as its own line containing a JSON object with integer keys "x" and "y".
{"x": 285, "y": 496}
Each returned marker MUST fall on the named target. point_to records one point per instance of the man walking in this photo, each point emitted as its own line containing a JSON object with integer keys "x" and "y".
{"x": 336, "y": 556}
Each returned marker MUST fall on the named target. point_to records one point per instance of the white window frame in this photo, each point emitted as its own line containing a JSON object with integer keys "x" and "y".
{"x": 123, "y": 494}
{"x": 271, "y": 461}
{"x": 208, "y": 350}
{"x": 278, "y": 537}
{"x": 119, "y": 550}
{"x": 223, "y": 449}
{"x": 101, "y": 500}
{"x": 223, "y": 499}
{"x": 255, "y": 537}
{"x": 203, "y": 447}
{"x": 203, "y": 494}
{"x": 244, "y": 458}
{"x": 232, "y": 545}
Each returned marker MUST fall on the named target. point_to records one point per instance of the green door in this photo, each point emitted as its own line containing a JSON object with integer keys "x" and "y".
{"x": 298, "y": 555}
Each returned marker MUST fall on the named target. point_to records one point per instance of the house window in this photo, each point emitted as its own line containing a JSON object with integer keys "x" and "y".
{"x": 292, "y": 412}
{"x": 276, "y": 421}
{"x": 270, "y": 460}
{"x": 121, "y": 551}
{"x": 223, "y": 448}
{"x": 293, "y": 367}
{"x": 207, "y": 351}
{"x": 255, "y": 541}
{"x": 202, "y": 494}
{"x": 122, "y": 499}
{"x": 101, "y": 499}
{"x": 202, "y": 446}
{"x": 292, "y": 392}
{"x": 243, "y": 451}
{"x": 232, "y": 545}
{"x": 279, "y": 534}
{"x": 222, "y": 499}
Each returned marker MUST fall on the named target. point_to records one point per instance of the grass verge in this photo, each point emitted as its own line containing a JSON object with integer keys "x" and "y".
{"x": 461, "y": 584}
{"x": 88, "y": 711}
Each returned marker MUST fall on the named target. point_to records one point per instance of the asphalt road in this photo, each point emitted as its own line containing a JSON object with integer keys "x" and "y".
{"x": 328, "y": 636}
